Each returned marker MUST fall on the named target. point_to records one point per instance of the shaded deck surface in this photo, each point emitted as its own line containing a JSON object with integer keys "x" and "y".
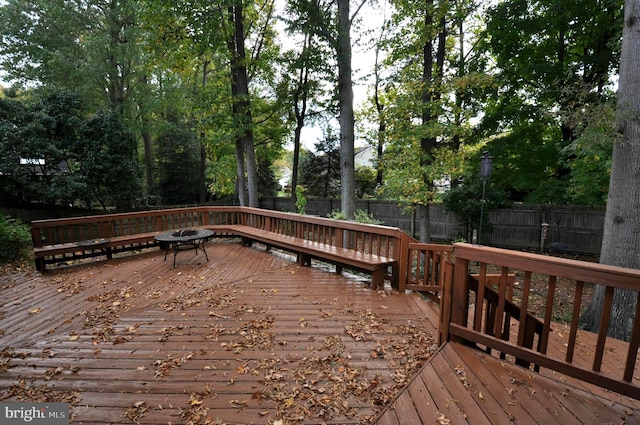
{"x": 251, "y": 338}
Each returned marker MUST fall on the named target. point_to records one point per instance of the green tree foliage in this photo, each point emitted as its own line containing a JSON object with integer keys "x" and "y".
{"x": 15, "y": 241}
{"x": 430, "y": 97}
{"x": 222, "y": 53}
{"x": 366, "y": 183}
{"x": 178, "y": 164}
{"x": 555, "y": 61}
{"x": 90, "y": 46}
{"x": 333, "y": 22}
{"x": 107, "y": 162}
{"x": 301, "y": 88}
{"x": 52, "y": 154}
{"x": 533, "y": 86}
{"x": 37, "y": 148}
{"x": 321, "y": 173}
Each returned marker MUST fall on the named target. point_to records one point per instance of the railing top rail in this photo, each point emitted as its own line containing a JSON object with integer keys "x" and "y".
{"x": 431, "y": 246}
{"x": 617, "y": 277}
{"x": 341, "y": 224}
{"x": 121, "y": 216}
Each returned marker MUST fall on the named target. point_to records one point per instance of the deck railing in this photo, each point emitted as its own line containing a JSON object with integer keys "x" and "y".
{"x": 475, "y": 286}
{"x": 496, "y": 320}
{"x": 426, "y": 268}
{"x": 366, "y": 238}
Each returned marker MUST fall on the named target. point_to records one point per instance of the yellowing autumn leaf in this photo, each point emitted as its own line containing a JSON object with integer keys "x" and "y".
{"x": 35, "y": 311}
{"x": 74, "y": 337}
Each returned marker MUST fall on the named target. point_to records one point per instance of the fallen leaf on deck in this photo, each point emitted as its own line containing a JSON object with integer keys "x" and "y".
{"x": 442, "y": 420}
{"x": 137, "y": 411}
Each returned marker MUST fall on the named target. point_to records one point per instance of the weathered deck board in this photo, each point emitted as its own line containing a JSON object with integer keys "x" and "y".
{"x": 251, "y": 337}
{"x": 248, "y": 334}
{"x": 468, "y": 386}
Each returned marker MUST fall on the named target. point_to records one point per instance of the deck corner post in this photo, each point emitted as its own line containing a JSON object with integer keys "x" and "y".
{"x": 401, "y": 254}
{"x": 446, "y": 283}
{"x": 459, "y": 302}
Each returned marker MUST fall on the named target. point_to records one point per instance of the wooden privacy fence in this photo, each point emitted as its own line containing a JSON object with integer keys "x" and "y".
{"x": 576, "y": 229}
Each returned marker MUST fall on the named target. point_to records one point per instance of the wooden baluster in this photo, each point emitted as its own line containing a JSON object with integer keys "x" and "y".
{"x": 632, "y": 353}
{"x": 604, "y": 327}
{"x": 477, "y": 315}
{"x": 573, "y": 330}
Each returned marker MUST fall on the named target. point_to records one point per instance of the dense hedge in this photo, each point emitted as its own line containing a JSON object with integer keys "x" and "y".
{"x": 15, "y": 240}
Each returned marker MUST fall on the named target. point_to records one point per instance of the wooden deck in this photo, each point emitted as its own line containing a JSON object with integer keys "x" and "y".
{"x": 252, "y": 338}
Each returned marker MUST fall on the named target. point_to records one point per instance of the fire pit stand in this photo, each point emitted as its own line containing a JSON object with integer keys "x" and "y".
{"x": 183, "y": 239}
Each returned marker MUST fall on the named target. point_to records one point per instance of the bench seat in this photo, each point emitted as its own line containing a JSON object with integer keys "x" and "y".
{"x": 307, "y": 250}
{"x": 47, "y": 254}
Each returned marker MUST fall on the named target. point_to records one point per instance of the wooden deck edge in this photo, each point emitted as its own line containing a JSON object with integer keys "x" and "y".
{"x": 392, "y": 402}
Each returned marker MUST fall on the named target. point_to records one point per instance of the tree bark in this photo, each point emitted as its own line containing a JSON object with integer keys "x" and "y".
{"x": 430, "y": 96}
{"x": 149, "y": 159}
{"x": 347, "y": 119}
{"x": 245, "y": 151}
{"x": 300, "y": 108}
{"x": 382, "y": 121}
{"x": 621, "y": 235}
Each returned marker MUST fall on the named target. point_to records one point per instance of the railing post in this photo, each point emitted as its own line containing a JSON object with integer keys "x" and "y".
{"x": 205, "y": 217}
{"x": 459, "y": 303}
{"x": 446, "y": 297}
{"x": 401, "y": 252}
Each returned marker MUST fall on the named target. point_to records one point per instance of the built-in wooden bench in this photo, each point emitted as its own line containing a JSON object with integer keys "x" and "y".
{"x": 63, "y": 240}
{"x": 306, "y": 250}
{"x": 63, "y": 252}
{"x": 107, "y": 246}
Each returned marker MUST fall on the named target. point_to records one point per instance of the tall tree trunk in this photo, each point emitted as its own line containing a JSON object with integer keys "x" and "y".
{"x": 430, "y": 97}
{"x": 147, "y": 140}
{"x": 382, "y": 122}
{"x": 621, "y": 235}
{"x": 202, "y": 172}
{"x": 347, "y": 119}
{"x": 300, "y": 108}
{"x": 241, "y": 183}
{"x": 245, "y": 151}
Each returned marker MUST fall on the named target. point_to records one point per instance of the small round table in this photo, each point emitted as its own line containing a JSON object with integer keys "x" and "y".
{"x": 183, "y": 238}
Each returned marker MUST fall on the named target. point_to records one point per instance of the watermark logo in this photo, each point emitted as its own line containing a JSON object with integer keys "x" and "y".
{"x": 34, "y": 413}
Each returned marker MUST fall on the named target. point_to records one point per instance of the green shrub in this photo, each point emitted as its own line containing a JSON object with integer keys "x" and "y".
{"x": 301, "y": 201}
{"x": 360, "y": 216}
{"x": 337, "y": 215}
{"x": 15, "y": 240}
